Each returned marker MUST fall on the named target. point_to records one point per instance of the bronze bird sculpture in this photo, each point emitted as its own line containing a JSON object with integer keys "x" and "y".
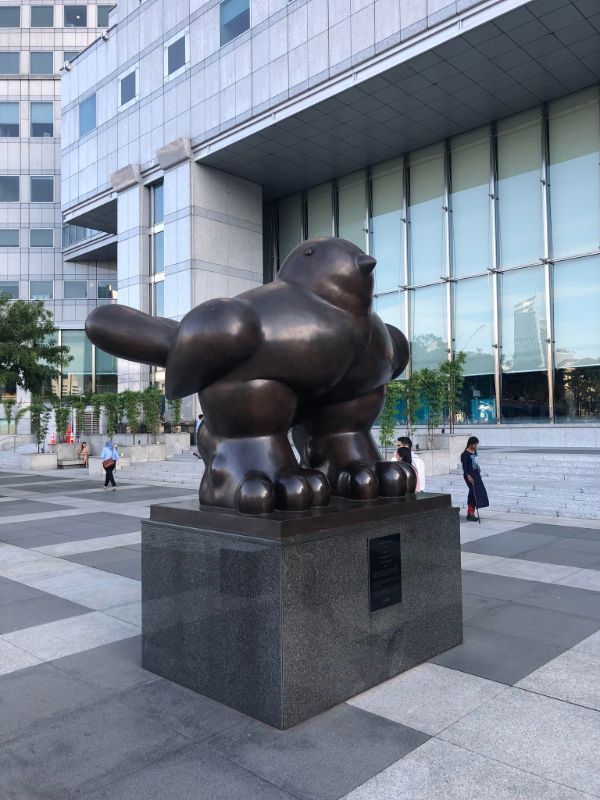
{"x": 304, "y": 352}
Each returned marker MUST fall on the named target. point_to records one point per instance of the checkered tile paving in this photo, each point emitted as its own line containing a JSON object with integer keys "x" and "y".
{"x": 513, "y": 712}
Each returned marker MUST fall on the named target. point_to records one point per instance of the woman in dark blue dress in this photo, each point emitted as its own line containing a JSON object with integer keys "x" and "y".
{"x": 472, "y": 474}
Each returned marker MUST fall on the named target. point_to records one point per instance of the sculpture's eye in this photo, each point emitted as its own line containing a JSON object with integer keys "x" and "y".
{"x": 308, "y": 251}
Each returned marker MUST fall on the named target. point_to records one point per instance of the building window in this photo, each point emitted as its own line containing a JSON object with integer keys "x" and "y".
{"x": 102, "y": 16}
{"x": 9, "y": 237}
{"x": 426, "y": 214}
{"x": 319, "y": 209}
{"x": 42, "y": 189}
{"x": 10, "y": 17}
{"x": 69, "y": 55}
{"x": 41, "y": 63}
{"x": 75, "y": 290}
{"x": 429, "y": 339}
{"x": 290, "y": 225}
{"x": 235, "y": 19}
{"x": 87, "y": 115}
{"x": 157, "y": 230}
{"x": 387, "y": 224}
{"x": 9, "y": 63}
{"x": 11, "y": 288}
{"x": 158, "y": 298}
{"x": 42, "y": 16}
{"x": 77, "y": 378}
{"x": 75, "y": 16}
{"x": 106, "y": 291}
{"x": 128, "y": 92}
{"x": 42, "y": 123}
{"x": 41, "y": 237}
{"x": 40, "y": 290}
{"x": 9, "y": 119}
{"x": 9, "y": 188}
{"x": 352, "y": 208}
{"x": 176, "y": 56}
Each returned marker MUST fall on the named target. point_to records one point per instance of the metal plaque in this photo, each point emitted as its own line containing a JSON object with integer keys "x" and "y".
{"x": 385, "y": 581}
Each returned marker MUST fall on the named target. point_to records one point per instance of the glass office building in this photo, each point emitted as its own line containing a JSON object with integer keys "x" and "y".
{"x": 487, "y": 243}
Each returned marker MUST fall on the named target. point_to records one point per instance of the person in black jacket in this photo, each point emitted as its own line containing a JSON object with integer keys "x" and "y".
{"x": 472, "y": 474}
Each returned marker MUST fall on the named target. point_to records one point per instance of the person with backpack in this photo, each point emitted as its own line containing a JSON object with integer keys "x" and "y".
{"x": 109, "y": 456}
{"x": 477, "y": 497}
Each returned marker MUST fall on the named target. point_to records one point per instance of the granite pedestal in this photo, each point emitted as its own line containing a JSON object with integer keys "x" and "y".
{"x": 273, "y": 615}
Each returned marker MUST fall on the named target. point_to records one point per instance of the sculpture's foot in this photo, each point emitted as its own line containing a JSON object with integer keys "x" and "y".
{"x": 358, "y": 482}
{"x": 396, "y": 479}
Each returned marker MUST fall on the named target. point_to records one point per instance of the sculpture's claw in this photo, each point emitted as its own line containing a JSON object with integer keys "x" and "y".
{"x": 396, "y": 479}
{"x": 358, "y": 482}
{"x": 256, "y": 495}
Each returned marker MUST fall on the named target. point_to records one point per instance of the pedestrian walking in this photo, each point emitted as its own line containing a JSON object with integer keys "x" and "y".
{"x": 415, "y": 460}
{"x": 477, "y": 497}
{"x": 199, "y": 424}
{"x": 109, "y": 456}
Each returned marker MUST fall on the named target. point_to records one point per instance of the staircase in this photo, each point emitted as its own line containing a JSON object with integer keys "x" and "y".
{"x": 553, "y": 483}
{"x": 183, "y": 469}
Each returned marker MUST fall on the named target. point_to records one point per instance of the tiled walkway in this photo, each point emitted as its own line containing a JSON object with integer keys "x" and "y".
{"x": 514, "y": 712}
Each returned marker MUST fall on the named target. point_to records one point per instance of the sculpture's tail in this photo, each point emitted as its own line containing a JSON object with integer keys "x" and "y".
{"x": 127, "y": 333}
{"x": 401, "y": 350}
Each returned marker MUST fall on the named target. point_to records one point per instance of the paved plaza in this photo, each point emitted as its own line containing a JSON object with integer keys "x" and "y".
{"x": 514, "y": 712}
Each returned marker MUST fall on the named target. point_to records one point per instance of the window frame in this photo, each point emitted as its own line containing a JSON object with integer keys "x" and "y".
{"x": 37, "y": 230}
{"x": 77, "y": 5}
{"x": 12, "y": 230}
{"x": 18, "y": 105}
{"x": 41, "y": 280}
{"x": 103, "y": 6}
{"x": 11, "y": 283}
{"x": 33, "y": 53}
{"x": 185, "y": 35}
{"x": 80, "y": 105}
{"x": 33, "y": 135}
{"x": 38, "y": 177}
{"x": 31, "y": 25}
{"x": 132, "y": 71}
{"x": 76, "y": 281}
{"x": 233, "y": 38}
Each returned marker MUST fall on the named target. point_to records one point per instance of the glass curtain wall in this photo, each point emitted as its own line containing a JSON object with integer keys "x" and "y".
{"x": 510, "y": 276}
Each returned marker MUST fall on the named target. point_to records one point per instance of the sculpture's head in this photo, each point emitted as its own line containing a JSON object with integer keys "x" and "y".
{"x": 335, "y": 269}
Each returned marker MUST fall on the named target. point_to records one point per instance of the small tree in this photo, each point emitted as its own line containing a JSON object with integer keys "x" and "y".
{"x": 432, "y": 396}
{"x": 61, "y": 417}
{"x": 410, "y": 392}
{"x": 387, "y": 418}
{"x": 40, "y": 420}
{"x": 175, "y": 409}
{"x": 96, "y": 404}
{"x": 29, "y": 353}
{"x": 9, "y": 407}
{"x": 132, "y": 407}
{"x": 110, "y": 404}
{"x": 452, "y": 379}
{"x": 151, "y": 402}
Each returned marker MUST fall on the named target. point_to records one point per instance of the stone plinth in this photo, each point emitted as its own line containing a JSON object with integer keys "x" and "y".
{"x": 271, "y": 615}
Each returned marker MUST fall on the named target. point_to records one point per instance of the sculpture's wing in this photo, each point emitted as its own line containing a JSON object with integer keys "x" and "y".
{"x": 127, "y": 333}
{"x": 401, "y": 350}
{"x": 212, "y": 339}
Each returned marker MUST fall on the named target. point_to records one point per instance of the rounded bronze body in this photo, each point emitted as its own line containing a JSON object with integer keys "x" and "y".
{"x": 306, "y": 353}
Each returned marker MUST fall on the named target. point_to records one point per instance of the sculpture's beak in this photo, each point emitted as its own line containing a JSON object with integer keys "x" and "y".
{"x": 366, "y": 264}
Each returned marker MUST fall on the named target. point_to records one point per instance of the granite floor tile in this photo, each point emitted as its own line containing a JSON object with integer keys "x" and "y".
{"x": 475, "y": 604}
{"x": 127, "y": 568}
{"x": 76, "y": 753}
{"x": 573, "y": 677}
{"x": 538, "y": 624}
{"x": 497, "y": 656}
{"x": 31, "y": 540}
{"x": 128, "y": 540}
{"x": 590, "y": 534}
{"x": 14, "y": 508}
{"x": 579, "y": 545}
{"x": 563, "y": 531}
{"x": 527, "y": 570}
{"x": 106, "y": 591}
{"x": 36, "y": 611}
{"x": 497, "y": 586}
{"x": 439, "y": 770}
{"x": 14, "y": 592}
{"x": 476, "y": 561}
{"x": 193, "y": 773}
{"x": 112, "y": 667}
{"x": 128, "y": 612}
{"x": 583, "y": 579}
{"x": 13, "y": 658}
{"x": 340, "y": 749}
{"x": 590, "y": 645}
{"x": 184, "y": 711}
{"x": 551, "y": 554}
{"x": 63, "y": 637}
{"x": 427, "y": 698}
{"x": 74, "y": 485}
{"x": 11, "y": 554}
{"x": 141, "y": 495}
{"x": 569, "y": 599}
{"x": 33, "y": 571}
{"x": 510, "y": 543}
{"x": 39, "y": 693}
{"x": 555, "y": 740}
